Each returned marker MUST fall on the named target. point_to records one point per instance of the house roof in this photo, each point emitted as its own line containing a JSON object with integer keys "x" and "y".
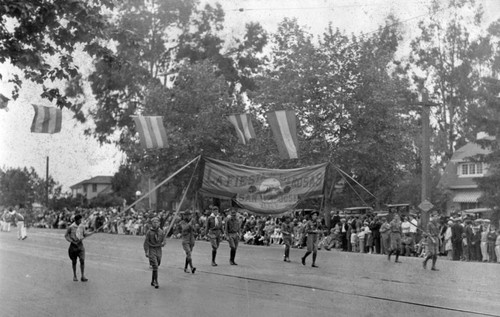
{"x": 94, "y": 180}
{"x": 450, "y": 178}
{"x": 468, "y": 150}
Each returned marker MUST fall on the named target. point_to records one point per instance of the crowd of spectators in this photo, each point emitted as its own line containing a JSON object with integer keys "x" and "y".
{"x": 459, "y": 239}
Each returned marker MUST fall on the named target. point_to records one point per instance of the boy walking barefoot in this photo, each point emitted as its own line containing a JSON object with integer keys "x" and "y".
{"x": 75, "y": 235}
{"x": 153, "y": 242}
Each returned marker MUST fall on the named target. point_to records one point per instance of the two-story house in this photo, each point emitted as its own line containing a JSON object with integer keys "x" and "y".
{"x": 459, "y": 174}
{"x": 92, "y": 187}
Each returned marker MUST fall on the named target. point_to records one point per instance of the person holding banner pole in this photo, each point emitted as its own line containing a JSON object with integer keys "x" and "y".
{"x": 188, "y": 231}
{"x": 233, "y": 231}
{"x": 286, "y": 231}
{"x": 213, "y": 230}
{"x": 312, "y": 230}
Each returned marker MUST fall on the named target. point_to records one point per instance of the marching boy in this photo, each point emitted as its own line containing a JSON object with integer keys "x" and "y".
{"x": 153, "y": 242}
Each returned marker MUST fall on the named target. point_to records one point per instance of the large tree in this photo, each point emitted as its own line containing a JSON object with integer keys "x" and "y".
{"x": 449, "y": 60}
{"x": 39, "y": 38}
{"x": 24, "y": 186}
{"x": 346, "y": 95}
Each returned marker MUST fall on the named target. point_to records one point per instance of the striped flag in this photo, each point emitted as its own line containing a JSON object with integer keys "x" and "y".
{"x": 3, "y": 102}
{"x": 243, "y": 125}
{"x": 46, "y": 120}
{"x": 151, "y": 131}
{"x": 283, "y": 125}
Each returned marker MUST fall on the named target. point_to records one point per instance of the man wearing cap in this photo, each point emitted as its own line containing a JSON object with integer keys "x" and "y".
{"x": 286, "y": 231}
{"x": 187, "y": 228}
{"x": 19, "y": 219}
{"x": 153, "y": 242}
{"x": 232, "y": 230}
{"x": 395, "y": 236}
{"x": 75, "y": 235}
{"x": 456, "y": 239}
{"x": 213, "y": 230}
{"x": 312, "y": 229}
{"x": 432, "y": 242}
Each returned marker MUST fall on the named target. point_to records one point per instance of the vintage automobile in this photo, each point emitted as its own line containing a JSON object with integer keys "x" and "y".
{"x": 356, "y": 211}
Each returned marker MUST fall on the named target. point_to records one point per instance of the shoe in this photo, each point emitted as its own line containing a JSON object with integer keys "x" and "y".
{"x": 155, "y": 284}
{"x": 193, "y": 270}
{"x": 232, "y": 263}
{"x": 397, "y": 261}
{"x": 152, "y": 283}
{"x": 24, "y": 237}
{"x": 75, "y": 279}
{"x": 214, "y": 264}
{"x": 314, "y": 265}
{"x": 84, "y": 279}
{"x": 186, "y": 270}
{"x": 303, "y": 261}
{"x": 434, "y": 269}
{"x": 287, "y": 260}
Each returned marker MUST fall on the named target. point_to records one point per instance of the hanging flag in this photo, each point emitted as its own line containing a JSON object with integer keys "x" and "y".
{"x": 3, "y": 102}
{"x": 243, "y": 125}
{"x": 46, "y": 120}
{"x": 283, "y": 125}
{"x": 151, "y": 131}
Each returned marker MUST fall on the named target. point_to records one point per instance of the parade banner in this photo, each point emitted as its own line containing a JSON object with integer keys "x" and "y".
{"x": 263, "y": 191}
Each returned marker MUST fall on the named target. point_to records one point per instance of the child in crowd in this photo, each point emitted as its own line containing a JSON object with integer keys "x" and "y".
{"x": 465, "y": 248}
{"x": 361, "y": 239}
{"x": 354, "y": 240}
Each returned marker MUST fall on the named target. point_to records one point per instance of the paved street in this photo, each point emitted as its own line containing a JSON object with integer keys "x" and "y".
{"x": 36, "y": 280}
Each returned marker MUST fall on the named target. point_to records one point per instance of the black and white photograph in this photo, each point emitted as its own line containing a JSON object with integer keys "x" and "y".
{"x": 249, "y": 158}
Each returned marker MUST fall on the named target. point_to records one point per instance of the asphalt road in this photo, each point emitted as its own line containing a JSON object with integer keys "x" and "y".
{"x": 36, "y": 280}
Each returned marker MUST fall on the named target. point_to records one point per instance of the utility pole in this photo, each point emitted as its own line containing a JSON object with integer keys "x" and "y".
{"x": 47, "y": 184}
{"x": 425, "y": 205}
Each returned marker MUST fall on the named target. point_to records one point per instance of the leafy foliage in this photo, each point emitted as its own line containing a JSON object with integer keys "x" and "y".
{"x": 39, "y": 38}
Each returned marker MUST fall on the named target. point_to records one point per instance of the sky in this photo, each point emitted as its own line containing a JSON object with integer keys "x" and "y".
{"x": 74, "y": 157}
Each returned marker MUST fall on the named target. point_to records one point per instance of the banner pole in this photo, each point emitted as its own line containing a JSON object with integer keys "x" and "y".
{"x": 182, "y": 200}
{"x": 160, "y": 184}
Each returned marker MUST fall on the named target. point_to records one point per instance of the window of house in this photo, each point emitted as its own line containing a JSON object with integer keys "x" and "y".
{"x": 465, "y": 206}
{"x": 471, "y": 169}
{"x": 85, "y": 188}
{"x": 94, "y": 188}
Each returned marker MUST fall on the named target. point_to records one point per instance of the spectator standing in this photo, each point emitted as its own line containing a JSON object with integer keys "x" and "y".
{"x": 491, "y": 238}
{"x": 484, "y": 244}
{"x": 385, "y": 230}
{"x": 497, "y": 246}
{"x": 456, "y": 239}
{"x": 19, "y": 220}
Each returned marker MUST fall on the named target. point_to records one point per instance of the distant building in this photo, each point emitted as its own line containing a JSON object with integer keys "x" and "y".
{"x": 92, "y": 187}
{"x": 459, "y": 175}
